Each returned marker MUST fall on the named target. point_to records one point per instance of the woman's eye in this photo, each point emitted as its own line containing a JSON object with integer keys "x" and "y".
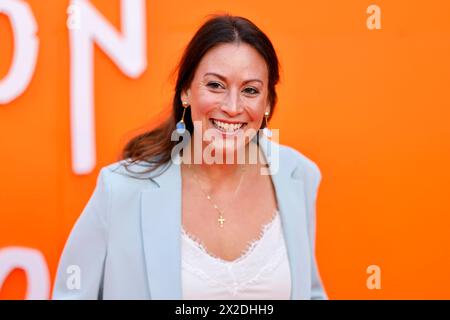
{"x": 214, "y": 85}
{"x": 251, "y": 90}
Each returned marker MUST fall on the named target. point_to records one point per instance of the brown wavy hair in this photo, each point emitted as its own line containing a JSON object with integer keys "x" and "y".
{"x": 154, "y": 147}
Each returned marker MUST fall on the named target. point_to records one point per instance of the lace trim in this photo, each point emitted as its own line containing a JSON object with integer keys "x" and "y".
{"x": 233, "y": 289}
{"x": 266, "y": 266}
{"x": 250, "y": 247}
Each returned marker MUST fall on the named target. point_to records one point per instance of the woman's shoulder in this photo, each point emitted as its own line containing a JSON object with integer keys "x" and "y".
{"x": 127, "y": 171}
{"x": 304, "y": 165}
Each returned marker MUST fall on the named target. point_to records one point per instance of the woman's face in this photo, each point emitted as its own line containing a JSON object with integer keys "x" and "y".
{"x": 229, "y": 92}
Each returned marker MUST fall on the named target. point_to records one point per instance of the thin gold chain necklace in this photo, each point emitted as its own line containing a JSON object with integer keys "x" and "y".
{"x": 221, "y": 218}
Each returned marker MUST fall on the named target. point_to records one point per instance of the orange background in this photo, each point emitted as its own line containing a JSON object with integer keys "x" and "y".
{"x": 370, "y": 107}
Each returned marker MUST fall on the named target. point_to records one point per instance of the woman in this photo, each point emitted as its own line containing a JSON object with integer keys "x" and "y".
{"x": 163, "y": 225}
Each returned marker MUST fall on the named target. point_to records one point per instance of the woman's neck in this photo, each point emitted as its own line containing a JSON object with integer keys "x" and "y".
{"x": 220, "y": 172}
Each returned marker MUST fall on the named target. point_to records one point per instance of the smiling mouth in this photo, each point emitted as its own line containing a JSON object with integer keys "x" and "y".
{"x": 227, "y": 127}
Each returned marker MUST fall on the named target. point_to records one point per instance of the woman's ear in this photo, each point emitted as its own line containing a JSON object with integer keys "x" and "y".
{"x": 185, "y": 95}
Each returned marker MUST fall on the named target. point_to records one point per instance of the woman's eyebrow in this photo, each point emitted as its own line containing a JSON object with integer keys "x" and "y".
{"x": 225, "y": 79}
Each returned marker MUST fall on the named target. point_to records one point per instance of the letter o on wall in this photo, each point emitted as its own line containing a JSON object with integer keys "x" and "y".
{"x": 33, "y": 263}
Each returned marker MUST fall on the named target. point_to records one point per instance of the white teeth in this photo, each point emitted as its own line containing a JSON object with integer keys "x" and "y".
{"x": 227, "y": 126}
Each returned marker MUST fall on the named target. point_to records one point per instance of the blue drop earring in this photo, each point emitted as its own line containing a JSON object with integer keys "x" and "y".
{"x": 181, "y": 126}
{"x": 266, "y": 130}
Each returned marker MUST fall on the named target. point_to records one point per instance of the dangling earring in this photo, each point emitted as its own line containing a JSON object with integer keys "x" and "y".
{"x": 181, "y": 126}
{"x": 266, "y": 130}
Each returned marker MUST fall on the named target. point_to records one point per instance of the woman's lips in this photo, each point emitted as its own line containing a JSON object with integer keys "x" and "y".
{"x": 227, "y": 127}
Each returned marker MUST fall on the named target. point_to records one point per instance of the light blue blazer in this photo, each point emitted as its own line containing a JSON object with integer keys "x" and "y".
{"x": 126, "y": 243}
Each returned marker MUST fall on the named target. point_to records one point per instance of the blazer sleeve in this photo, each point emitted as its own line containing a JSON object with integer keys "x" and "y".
{"x": 81, "y": 266}
{"x": 317, "y": 289}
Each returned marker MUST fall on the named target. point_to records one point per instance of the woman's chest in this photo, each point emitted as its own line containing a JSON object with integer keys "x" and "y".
{"x": 243, "y": 218}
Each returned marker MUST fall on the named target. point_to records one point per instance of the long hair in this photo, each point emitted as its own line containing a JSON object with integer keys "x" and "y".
{"x": 154, "y": 147}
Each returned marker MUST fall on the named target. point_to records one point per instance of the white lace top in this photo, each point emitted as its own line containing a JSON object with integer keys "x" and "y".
{"x": 261, "y": 272}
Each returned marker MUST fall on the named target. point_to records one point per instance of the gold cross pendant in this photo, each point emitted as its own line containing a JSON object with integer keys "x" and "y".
{"x": 221, "y": 221}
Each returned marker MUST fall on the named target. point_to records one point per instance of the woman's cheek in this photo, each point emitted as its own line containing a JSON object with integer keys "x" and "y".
{"x": 201, "y": 110}
{"x": 209, "y": 104}
{"x": 255, "y": 112}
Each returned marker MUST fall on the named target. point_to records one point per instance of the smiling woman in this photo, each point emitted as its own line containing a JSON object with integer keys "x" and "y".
{"x": 156, "y": 228}
{"x": 234, "y": 96}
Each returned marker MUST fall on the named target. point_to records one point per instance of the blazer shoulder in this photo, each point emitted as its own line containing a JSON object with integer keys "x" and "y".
{"x": 303, "y": 164}
{"x": 124, "y": 177}
{"x": 135, "y": 170}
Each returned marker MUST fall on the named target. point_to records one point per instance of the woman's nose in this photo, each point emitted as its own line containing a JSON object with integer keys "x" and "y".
{"x": 232, "y": 104}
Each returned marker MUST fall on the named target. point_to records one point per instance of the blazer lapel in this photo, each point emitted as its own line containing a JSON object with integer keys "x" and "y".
{"x": 293, "y": 214}
{"x": 291, "y": 200}
{"x": 161, "y": 227}
{"x": 161, "y": 234}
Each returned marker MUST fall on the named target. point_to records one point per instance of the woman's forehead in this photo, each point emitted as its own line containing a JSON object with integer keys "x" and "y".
{"x": 232, "y": 59}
